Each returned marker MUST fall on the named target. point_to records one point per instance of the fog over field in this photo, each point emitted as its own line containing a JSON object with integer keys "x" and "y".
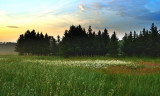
{"x": 7, "y": 48}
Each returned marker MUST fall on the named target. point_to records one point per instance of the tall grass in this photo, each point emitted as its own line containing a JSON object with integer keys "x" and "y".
{"x": 18, "y": 78}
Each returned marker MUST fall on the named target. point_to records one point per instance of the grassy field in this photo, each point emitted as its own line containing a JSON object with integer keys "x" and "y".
{"x": 78, "y": 76}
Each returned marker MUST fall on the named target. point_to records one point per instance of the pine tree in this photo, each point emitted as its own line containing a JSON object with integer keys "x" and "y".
{"x": 53, "y": 46}
{"x": 20, "y": 47}
{"x": 154, "y": 42}
{"x": 134, "y": 44}
{"x": 32, "y": 42}
{"x": 130, "y": 44}
{"x": 90, "y": 31}
{"x": 105, "y": 41}
{"x": 90, "y": 49}
{"x": 58, "y": 39}
{"x": 125, "y": 47}
{"x": 113, "y": 46}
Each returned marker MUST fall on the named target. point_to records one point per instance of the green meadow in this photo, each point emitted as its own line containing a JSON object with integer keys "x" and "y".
{"x": 78, "y": 76}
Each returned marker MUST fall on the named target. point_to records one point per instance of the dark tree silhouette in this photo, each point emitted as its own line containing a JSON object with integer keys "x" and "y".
{"x": 77, "y": 42}
{"x": 35, "y": 44}
{"x": 113, "y": 45}
{"x": 20, "y": 45}
{"x": 105, "y": 42}
{"x": 144, "y": 44}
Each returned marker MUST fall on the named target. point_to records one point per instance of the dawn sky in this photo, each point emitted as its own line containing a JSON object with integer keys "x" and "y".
{"x": 54, "y": 16}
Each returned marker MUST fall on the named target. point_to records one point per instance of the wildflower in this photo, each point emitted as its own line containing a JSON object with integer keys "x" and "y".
{"x": 83, "y": 63}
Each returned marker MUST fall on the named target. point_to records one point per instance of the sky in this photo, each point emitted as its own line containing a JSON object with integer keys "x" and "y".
{"x": 55, "y": 16}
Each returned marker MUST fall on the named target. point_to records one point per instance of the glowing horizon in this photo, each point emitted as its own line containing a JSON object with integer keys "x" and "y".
{"x": 55, "y": 16}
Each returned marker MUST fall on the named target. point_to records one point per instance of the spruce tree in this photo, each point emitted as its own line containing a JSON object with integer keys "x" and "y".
{"x": 113, "y": 46}
{"x": 20, "y": 47}
{"x": 105, "y": 41}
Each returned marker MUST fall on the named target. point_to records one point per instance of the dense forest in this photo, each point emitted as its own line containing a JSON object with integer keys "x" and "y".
{"x": 79, "y": 42}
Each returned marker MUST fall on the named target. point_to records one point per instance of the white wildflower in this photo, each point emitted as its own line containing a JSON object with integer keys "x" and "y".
{"x": 83, "y": 63}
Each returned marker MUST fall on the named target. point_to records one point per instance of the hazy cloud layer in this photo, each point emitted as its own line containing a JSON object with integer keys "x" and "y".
{"x": 12, "y": 26}
{"x": 139, "y": 9}
{"x": 134, "y": 8}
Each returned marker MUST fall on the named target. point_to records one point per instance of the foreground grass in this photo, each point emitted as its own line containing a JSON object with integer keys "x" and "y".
{"x": 19, "y": 78}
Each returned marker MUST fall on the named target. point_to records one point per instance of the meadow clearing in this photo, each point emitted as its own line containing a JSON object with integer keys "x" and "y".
{"x": 78, "y": 76}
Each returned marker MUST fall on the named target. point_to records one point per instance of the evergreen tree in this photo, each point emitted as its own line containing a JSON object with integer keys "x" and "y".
{"x": 154, "y": 45}
{"x": 105, "y": 41}
{"x": 58, "y": 39}
{"x": 90, "y": 49}
{"x": 53, "y": 46}
{"x": 20, "y": 47}
{"x": 113, "y": 46}
{"x": 125, "y": 48}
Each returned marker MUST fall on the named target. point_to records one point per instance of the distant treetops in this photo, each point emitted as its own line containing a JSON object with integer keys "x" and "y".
{"x": 79, "y": 42}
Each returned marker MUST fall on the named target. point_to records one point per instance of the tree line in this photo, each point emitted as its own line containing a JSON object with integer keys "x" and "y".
{"x": 79, "y": 42}
{"x": 32, "y": 43}
{"x": 146, "y": 43}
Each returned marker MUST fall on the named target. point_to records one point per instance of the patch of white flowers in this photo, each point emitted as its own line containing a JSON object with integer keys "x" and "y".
{"x": 2, "y": 59}
{"x": 83, "y": 63}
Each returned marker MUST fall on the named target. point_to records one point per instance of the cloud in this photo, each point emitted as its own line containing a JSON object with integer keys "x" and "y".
{"x": 138, "y": 9}
{"x": 12, "y": 26}
{"x": 99, "y": 5}
{"x": 134, "y": 8}
{"x": 81, "y": 7}
{"x": 88, "y": 8}
{"x": 155, "y": 16}
{"x": 128, "y": 7}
